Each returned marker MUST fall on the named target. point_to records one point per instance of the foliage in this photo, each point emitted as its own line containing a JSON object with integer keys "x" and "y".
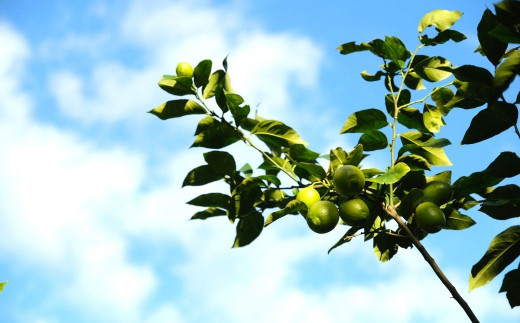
{"x": 390, "y": 194}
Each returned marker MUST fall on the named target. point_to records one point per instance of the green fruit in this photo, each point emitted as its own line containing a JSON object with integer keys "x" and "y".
{"x": 430, "y": 217}
{"x": 438, "y": 192}
{"x": 348, "y": 180}
{"x": 323, "y": 216}
{"x": 308, "y": 195}
{"x": 354, "y": 212}
{"x": 184, "y": 69}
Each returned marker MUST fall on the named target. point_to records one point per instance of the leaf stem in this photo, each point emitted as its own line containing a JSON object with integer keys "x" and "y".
{"x": 429, "y": 259}
{"x": 426, "y": 97}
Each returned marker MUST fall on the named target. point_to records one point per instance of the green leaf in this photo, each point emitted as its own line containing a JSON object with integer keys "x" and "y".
{"x": 385, "y": 247}
{"x": 404, "y": 98}
{"x": 470, "y": 95}
{"x": 502, "y": 203}
{"x": 215, "y": 135}
{"x": 352, "y": 47}
{"x": 430, "y": 70}
{"x": 338, "y": 157}
{"x": 248, "y": 229}
{"x": 432, "y": 118}
{"x": 373, "y": 140}
{"x": 177, "y": 85}
{"x": 415, "y": 162}
{"x": 177, "y": 108}
{"x": 246, "y": 170}
{"x": 371, "y": 172}
{"x": 215, "y": 80}
{"x": 275, "y": 130}
{"x": 511, "y": 285}
{"x": 291, "y": 207}
{"x": 505, "y": 34}
{"x": 470, "y": 73}
{"x": 202, "y": 72}
{"x": 2, "y": 285}
{"x": 222, "y": 162}
{"x": 391, "y": 48}
{"x": 271, "y": 179}
{"x": 411, "y": 118}
{"x": 443, "y": 37}
{"x": 239, "y": 113}
{"x": 201, "y": 175}
{"x": 414, "y": 81}
{"x": 208, "y": 213}
{"x": 496, "y": 118}
{"x": 364, "y": 121}
{"x": 355, "y": 156}
{"x": 372, "y": 78}
{"x": 312, "y": 169}
{"x": 205, "y": 123}
{"x": 506, "y": 72}
{"x": 441, "y": 19}
{"x": 409, "y": 203}
{"x": 392, "y": 175}
{"x": 475, "y": 183}
{"x": 457, "y": 221}
{"x": 346, "y": 237}
{"x": 491, "y": 47}
{"x": 211, "y": 199}
{"x": 507, "y": 164}
{"x": 502, "y": 251}
{"x": 425, "y": 146}
{"x": 441, "y": 97}
{"x": 444, "y": 176}
{"x": 299, "y": 152}
{"x": 244, "y": 197}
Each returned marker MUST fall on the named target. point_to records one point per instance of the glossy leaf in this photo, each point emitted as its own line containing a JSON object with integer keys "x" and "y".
{"x": 215, "y": 135}
{"x": 392, "y": 175}
{"x": 429, "y": 69}
{"x": 432, "y": 118}
{"x": 502, "y": 251}
{"x": 211, "y": 200}
{"x": 511, "y": 285}
{"x": 202, "y": 72}
{"x": 441, "y": 97}
{"x": 471, "y": 73}
{"x": 506, "y": 72}
{"x": 496, "y": 118}
{"x": 507, "y": 164}
{"x": 415, "y": 162}
{"x": 216, "y": 79}
{"x": 346, "y": 237}
{"x": 177, "y": 108}
{"x": 177, "y": 86}
{"x": 373, "y": 140}
{"x": 291, "y": 207}
{"x": 414, "y": 81}
{"x": 208, "y": 213}
{"x": 248, "y": 229}
{"x": 201, "y": 175}
{"x": 276, "y": 130}
{"x": 491, "y": 47}
{"x": 457, "y": 221}
{"x": 355, "y": 156}
{"x": 441, "y": 19}
{"x": 244, "y": 197}
{"x": 222, "y": 162}
{"x": 444, "y": 176}
{"x": 425, "y": 146}
{"x": 338, "y": 157}
{"x": 365, "y": 120}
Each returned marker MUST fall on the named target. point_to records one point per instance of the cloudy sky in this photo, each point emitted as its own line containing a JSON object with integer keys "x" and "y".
{"x": 94, "y": 225}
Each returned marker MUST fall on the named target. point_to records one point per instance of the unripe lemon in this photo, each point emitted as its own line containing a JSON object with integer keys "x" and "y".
{"x": 430, "y": 217}
{"x": 354, "y": 212}
{"x": 348, "y": 180}
{"x": 438, "y": 192}
{"x": 323, "y": 216}
{"x": 184, "y": 69}
{"x": 308, "y": 195}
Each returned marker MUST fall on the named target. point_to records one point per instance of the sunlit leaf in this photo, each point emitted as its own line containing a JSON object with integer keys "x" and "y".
{"x": 202, "y": 72}
{"x": 415, "y": 162}
{"x": 432, "y": 118}
{"x": 506, "y": 72}
{"x": 299, "y": 152}
{"x": 443, "y": 37}
{"x": 352, "y": 47}
{"x": 214, "y": 81}
{"x": 177, "y": 108}
{"x": 216, "y": 135}
{"x": 278, "y": 131}
{"x": 457, "y": 221}
{"x": 441, "y": 19}
{"x": 365, "y": 120}
{"x": 429, "y": 70}
{"x": 291, "y": 207}
{"x": 392, "y": 175}
{"x": 373, "y": 140}
{"x": 177, "y": 86}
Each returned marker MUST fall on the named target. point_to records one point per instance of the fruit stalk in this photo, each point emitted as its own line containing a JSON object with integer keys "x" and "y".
{"x": 429, "y": 259}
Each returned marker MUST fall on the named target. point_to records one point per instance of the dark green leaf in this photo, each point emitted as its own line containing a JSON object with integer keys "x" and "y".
{"x": 211, "y": 199}
{"x": 177, "y": 85}
{"x": 355, "y": 156}
{"x": 372, "y": 78}
{"x": 205, "y": 123}
{"x": 244, "y": 197}
{"x": 471, "y": 73}
{"x": 506, "y": 72}
{"x": 425, "y": 146}
{"x": 475, "y": 183}
{"x": 391, "y": 48}
{"x": 443, "y": 37}
{"x": 415, "y": 162}
{"x": 502, "y": 251}
{"x": 216, "y": 79}
{"x": 430, "y": 69}
{"x": 208, "y": 213}
{"x": 271, "y": 179}
{"x": 338, "y": 157}
{"x": 312, "y": 169}
{"x": 492, "y": 47}
{"x": 365, "y": 120}
{"x": 352, "y": 47}
{"x": 222, "y": 162}
{"x": 373, "y": 140}
{"x": 392, "y": 175}
{"x": 277, "y": 131}
{"x": 444, "y": 176}
{"x": 505, "y": 34}
{"x": 457, "y": 221}
{"x": 291, "y": 207}
{"x": 385, "y": 247}
{"x": 404, "y": 98}
{"x": 511, "y": 285}
{"x": 502, "y": 203}
{"x": 202, "y": 72}
{"x": 470, "y": 95}
{"x": 201, "y": 175}
{"x": 248, "y": 229}
{"x": 299, "y": 152}
{"x": 441, "y": 97}
{"x": 177, "y": 108}
{"x": 409, "y": 203}
{"x": 441, "y": 19}
{"x": 346, "y": 237}
{"x": 496, "y": 118}
{"x": 411, "y": 118}
{"x": 216, "y": 135}
{"x": 414, "y": 81}
{"x": 507, "y": 164}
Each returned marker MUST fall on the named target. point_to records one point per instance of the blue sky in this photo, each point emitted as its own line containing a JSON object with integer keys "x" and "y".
{"x": 94, "y": 222}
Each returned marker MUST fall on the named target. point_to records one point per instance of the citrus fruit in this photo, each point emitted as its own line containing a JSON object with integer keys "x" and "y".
{"x": 430, "y": 217}
{"x": 323, "y": 216}
{"x": 308, "y": 195}
{"x": 354, "y": 212}
{"x": 348, "y": 180}
{"x": 184, "y": 69}
{"x": 438, "y": 192}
